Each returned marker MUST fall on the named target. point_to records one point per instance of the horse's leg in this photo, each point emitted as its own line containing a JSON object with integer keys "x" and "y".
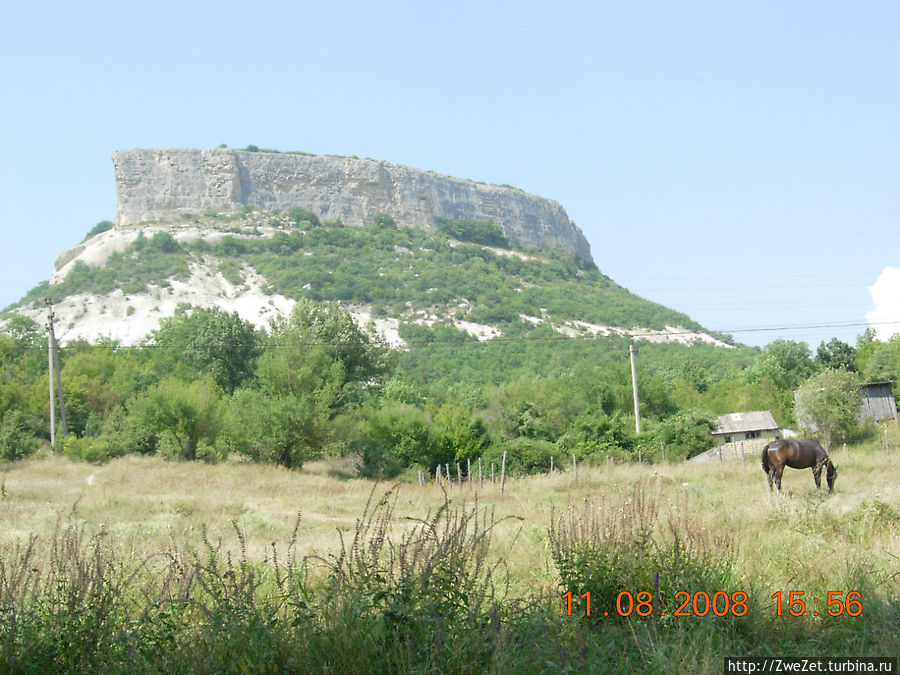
{"x": 771, "y": 476}
{"x": 817, "y": 474}
{"x": 778, "y": 472}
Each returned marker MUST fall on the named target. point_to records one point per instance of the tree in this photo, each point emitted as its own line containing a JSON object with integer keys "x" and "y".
{"x": 185, "y": 416}
{"x": 461, "y": 434}
{"x": 685, "y": 434}
{"x": 883, "y": 362}
{"x": 323, "y": 333}
{"x": 162, "y": 242}
{"x": 836, "y": 354}
{"x": 96, "y": 378}
{"x": 315, "y": 364}
{"x": 208, "y": 341}
{"x": 786, "y": 362}
{"x": 280, "y": 429}
{"x": 31, "y": 341}
{"x": 780, "y": 367}
{"x": 829, "y": 403}
{"x": 866, "y": 344}
{"x": 398, "y": 436}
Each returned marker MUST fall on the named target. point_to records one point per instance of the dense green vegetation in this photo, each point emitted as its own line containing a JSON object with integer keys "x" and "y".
{"x": 207, "y": 384}
{"x": 382, "y": 265}
{"x": 153, "y": 260}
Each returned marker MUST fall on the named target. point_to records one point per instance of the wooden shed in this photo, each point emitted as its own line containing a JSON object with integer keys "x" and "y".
{"x": 877, "y": 402}
{"x": 745, "y": 426}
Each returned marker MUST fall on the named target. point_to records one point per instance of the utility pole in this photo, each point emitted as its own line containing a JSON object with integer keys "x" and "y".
{"x": 53, "y": 358}
{"x": 50, "y": 378}
{"x": 637, "y": 411}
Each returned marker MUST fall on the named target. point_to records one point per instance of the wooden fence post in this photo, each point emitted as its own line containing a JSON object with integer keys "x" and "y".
{"x": 503, "y": 472}
{"x": 480, "y": 476}
{"x": 662, "y": 447}
{"x": 575, "y": 465}
{"x": 469, "y": 471}
{"x": 551, "y": 463}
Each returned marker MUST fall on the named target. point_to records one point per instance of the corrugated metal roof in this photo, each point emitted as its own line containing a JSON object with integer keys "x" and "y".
{"x": 735, "y": 423}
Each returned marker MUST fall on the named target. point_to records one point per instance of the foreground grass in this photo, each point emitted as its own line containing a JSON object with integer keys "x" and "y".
{"x": 143, "y": 565}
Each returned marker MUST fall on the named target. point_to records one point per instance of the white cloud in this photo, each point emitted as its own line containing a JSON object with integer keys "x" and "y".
{"x": 885, "y": 292}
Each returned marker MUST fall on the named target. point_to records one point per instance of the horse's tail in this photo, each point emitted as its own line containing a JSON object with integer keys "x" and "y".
{"x": 765, "y": 459}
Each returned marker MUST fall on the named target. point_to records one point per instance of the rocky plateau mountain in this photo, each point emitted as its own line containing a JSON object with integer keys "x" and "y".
{"x": 198, "y": 198}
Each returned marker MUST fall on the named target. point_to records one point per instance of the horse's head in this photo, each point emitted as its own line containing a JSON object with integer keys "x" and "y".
{"x": 830, "y": 474}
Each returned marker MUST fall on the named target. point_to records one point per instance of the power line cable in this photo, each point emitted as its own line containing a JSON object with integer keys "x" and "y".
{"x": 614, "y": 332}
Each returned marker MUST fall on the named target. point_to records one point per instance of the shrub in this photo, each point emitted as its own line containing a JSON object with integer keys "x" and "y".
{"x": 185, "y": 416}
{"x": 126, "y": 433}
{"x": 284, "y": 244}
{"x": 523, "y": 455}
{"x": 16, "y": 437}
{"x": 685, "y": 434}
{"x": 94, "y": 450}
{"x": 230, "y": 247}
{"x": 383, "y": 221}
{"x": 610, "y": 547}
{"x": 431, "y": 589}
{"x": 304, "y": 217}
{"x": 163, "y": 242}
{"x": 485, "y": 232}
{"x": 396, "y": 437}
{"x": 102, "y": 226}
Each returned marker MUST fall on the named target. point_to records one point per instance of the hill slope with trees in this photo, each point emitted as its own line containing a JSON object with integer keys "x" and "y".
{"x": 554, "y": 380}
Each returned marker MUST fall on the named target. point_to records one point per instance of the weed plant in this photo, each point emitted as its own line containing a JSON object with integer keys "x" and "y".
{"x": 434, "y": 593}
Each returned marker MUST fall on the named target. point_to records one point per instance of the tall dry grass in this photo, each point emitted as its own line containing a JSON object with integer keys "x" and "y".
{"x": 146, "y": 565}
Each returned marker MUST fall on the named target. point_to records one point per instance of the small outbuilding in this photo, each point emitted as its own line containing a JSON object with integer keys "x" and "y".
{"x": 877, "y": 402}
{"x": 744, "y": 426}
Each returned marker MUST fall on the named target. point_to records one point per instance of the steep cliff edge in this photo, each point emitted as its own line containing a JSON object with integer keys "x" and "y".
{"x": 165, "y": 184}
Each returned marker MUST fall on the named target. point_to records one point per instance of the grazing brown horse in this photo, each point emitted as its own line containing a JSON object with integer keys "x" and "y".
{"x": 797, "y": 455}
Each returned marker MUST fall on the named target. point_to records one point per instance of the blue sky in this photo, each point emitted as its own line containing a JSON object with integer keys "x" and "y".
{"x": 737, "y": 161}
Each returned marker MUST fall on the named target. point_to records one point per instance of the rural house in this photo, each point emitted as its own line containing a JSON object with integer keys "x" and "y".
{"x": 740, "y": 434}
{"x": 744, "y": 426}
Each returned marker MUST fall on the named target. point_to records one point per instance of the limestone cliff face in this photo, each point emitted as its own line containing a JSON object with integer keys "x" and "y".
{"x": 168, "y": 183}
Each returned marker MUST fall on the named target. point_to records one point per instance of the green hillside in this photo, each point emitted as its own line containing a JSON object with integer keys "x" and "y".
{"x": 393, "y": 269}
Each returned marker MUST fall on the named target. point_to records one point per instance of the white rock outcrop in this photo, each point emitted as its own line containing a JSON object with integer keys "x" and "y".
{"x": 167, "y": 184}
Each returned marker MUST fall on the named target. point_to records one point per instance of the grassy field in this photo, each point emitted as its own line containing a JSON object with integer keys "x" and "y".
{"x": 143, "y": 565}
